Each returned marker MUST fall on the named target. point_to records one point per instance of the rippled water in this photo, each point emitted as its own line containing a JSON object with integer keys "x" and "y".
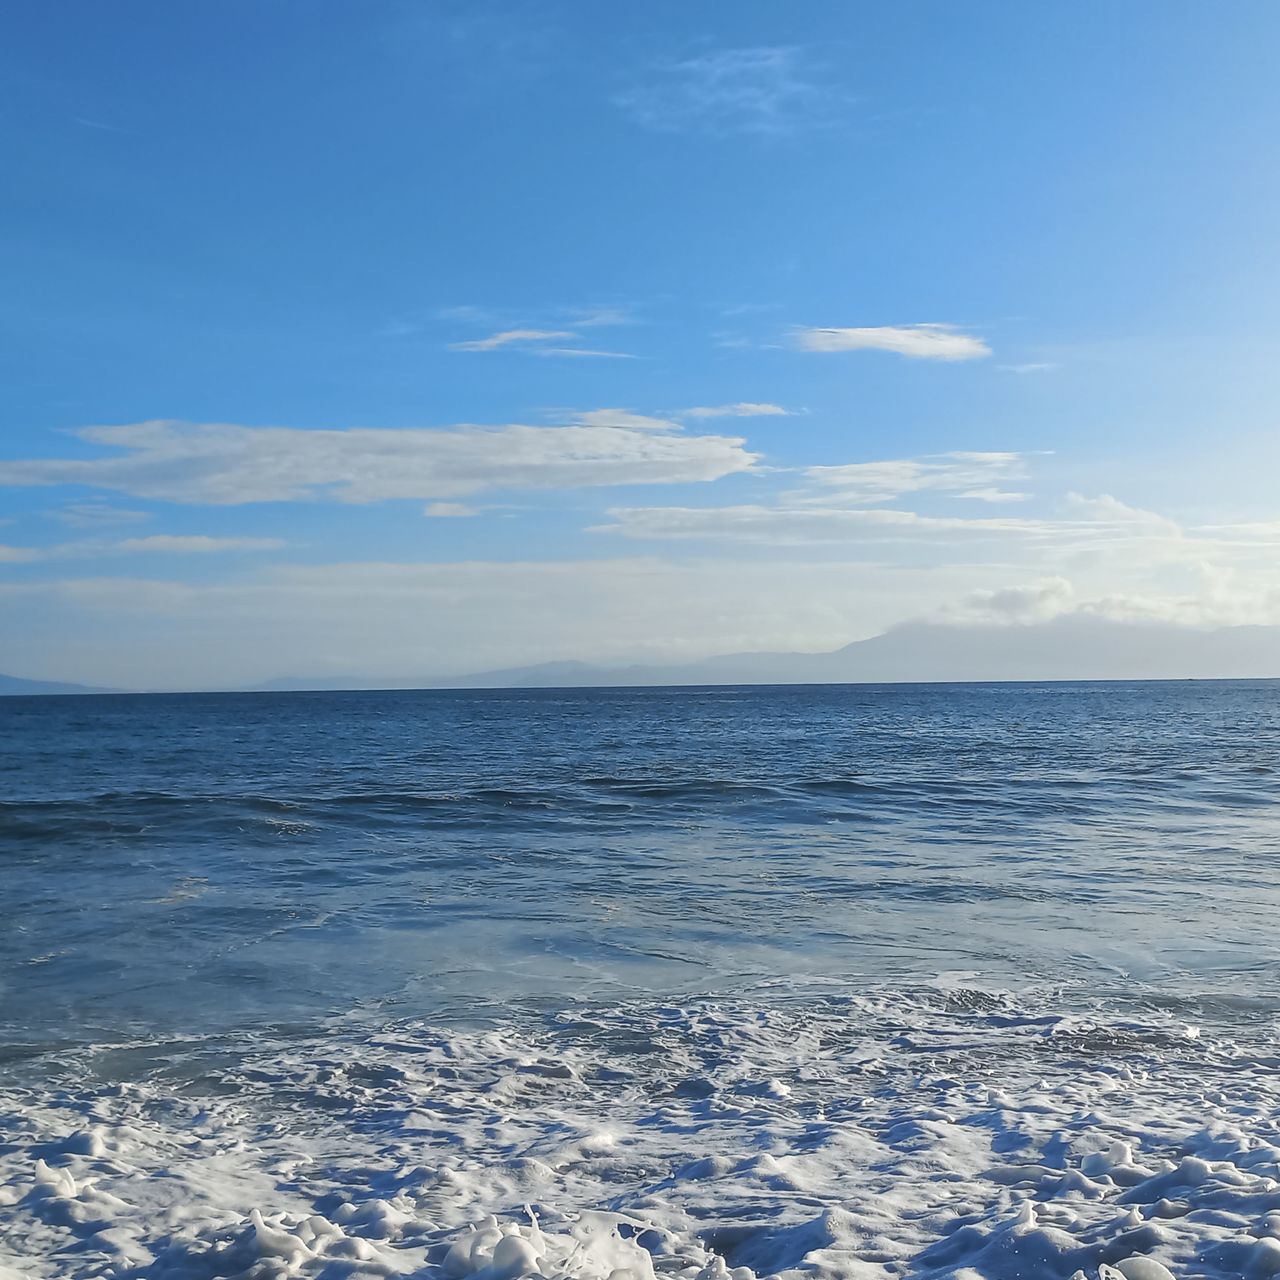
{"x": 387, "y": 949}
{"x": 179, "y": 864}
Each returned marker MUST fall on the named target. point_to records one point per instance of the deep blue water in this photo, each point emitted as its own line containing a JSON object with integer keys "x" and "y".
{"x": 190, "y": 864}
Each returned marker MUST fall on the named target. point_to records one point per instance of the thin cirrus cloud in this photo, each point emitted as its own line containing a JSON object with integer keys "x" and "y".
{"x": 598, "y": 317}
{"x": 511, "y": 337}
{"x": 798, "y": 524}
{"x": 843, "y": 505}
{"x": 916, "y": 341}
{"x": 586, "y": 352}
{"x": 766, "y": 90}
{"x": 743, "y": 409}
{"x": 18, "y": 555}
{"x": 535, "y": 342}
{"x": 795, "y": 525}
{"x": 449, "y": 510}
{"x": 96, "y": 515}
{"x": 222, "y": 464}
{"x": 624, "y": 420}
{"x": 631, "y": 421}
{"x": 972, "y": 475}
{"x": 1093, "y": 526}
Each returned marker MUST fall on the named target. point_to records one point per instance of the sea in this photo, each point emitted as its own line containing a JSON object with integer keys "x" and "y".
{"x": 921, "y": 981}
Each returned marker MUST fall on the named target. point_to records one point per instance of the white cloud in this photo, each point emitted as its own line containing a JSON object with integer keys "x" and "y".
{"x": 843, "y": 506}
{"x": 1104, "y": 508}
{"x": 223, "y": 464}
{"x": 1056, "y": 598}
{"x": 509, "y": 336}
{"x": 1032, "y": 366}
{"x": 1266, "y": 532}
{"x": 966, "y": 474}
{"x": 744, "y": 409}
{"x": 994, "y": 495}
{"x": 1032, "y": 603}
{"x": 763, "y": 90}
{"x": 919, "y": 341}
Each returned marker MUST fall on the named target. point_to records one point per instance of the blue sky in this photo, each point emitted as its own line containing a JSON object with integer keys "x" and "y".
{"x": 404, "y": 338}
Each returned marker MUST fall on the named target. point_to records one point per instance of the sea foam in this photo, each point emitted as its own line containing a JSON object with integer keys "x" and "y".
{"x": 944, "y": 1134}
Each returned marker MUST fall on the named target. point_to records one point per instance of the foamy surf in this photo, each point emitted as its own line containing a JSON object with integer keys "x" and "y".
{"x": 943, "y": 1134}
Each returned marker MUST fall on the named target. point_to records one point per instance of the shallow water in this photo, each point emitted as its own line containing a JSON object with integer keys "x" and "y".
{"x": 836, "y": 980}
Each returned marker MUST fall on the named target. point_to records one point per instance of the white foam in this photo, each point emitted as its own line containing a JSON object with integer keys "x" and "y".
{"x": 854, "y": 1139}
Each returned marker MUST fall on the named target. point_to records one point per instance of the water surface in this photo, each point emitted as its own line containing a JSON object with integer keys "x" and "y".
{"x": 834, "y": 979}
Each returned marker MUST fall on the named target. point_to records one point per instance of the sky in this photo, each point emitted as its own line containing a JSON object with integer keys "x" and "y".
{"x": 411, "y": 338}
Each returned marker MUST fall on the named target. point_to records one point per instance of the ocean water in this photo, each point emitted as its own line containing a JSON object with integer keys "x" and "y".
{"x": 918, "y": 981}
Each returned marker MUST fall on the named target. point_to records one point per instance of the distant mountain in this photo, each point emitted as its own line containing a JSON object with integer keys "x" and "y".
{"x": 1072, "y": 647}
{"x": 1076, "y": 647}
{"x": 545, "y": 675}
{"x": 548, "y": 674}
{"x": 13, "y": 685}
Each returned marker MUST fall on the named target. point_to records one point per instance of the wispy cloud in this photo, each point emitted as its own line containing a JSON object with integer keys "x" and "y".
{"x": 449, "y": 510}
{"x": 225, "y": 464}
{"x": 96, "y": 515}
{"x": 509, "y": 337}
{"x": 844, "y": 504}
{"x": 994, "y": 495}
{"x": 534, "y": 341}
{"x": 18, "y": 555}
{"x": 1098, "y": 528}
{"x": 587, "y": 352}
{"x": 743, "y": 409}
{"x": 763, "y": 90}
{"x": 1034, "y": 366}
{"x": 1026, "y": 603}
{"x": 965, "y": 474}
{"x": 918, "y": 341}
{"x": 624, "y": 419}
{"x": 841, "y": 507}
{"x": 801, "y": 524}
{"x": 598, "y": 317}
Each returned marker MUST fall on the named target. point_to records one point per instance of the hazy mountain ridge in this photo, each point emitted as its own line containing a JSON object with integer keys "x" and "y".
{"x": 1075, "y": 647}
{"x": 15, "y": 686}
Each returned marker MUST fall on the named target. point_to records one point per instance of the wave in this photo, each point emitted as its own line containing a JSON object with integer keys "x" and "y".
{"x": 639, "y": 801}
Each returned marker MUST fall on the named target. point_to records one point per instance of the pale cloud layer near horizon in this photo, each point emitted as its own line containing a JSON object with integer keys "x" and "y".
{"x": 640, "y": 347}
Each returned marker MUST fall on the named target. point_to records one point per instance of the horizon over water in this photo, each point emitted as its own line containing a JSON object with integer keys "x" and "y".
{"x": 853, "y": 981}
